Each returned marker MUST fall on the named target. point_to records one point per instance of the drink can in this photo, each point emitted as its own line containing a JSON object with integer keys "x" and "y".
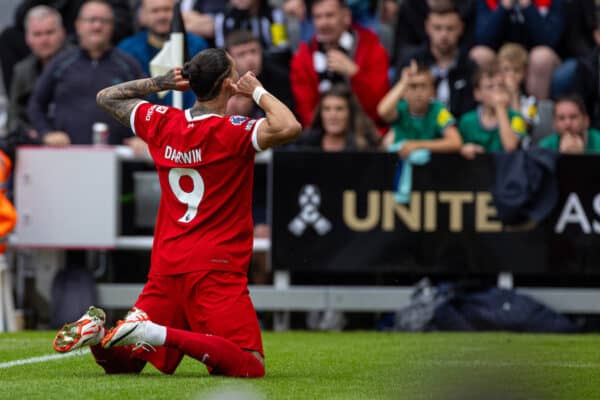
{"x": 100, "y": 133}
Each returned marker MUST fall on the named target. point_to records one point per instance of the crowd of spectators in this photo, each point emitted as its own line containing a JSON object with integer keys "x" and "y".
{"x": 487, "y": 69}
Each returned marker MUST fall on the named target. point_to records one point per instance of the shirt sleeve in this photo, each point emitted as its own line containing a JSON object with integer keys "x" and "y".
{"x": 444, "y": 119}
{"x": 518, "y": 125}
{"x": 241, "y": 133}
{"x": 148, "y": 119}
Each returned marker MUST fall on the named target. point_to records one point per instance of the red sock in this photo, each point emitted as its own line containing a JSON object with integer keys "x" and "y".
{"x": 117, "y": 360}
{"x": 220, "y": 354}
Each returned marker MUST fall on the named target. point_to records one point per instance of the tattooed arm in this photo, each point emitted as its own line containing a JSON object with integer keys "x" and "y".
{"x": 119, "y": 100}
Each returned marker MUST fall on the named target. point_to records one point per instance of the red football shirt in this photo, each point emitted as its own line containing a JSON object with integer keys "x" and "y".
{"x": 205, "y": 167}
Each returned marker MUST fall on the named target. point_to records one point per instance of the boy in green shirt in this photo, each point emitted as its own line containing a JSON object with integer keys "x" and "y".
{"x": 418, "y": 120}
{"x": 572, "y": 124}
{"x": 492, "y": 126}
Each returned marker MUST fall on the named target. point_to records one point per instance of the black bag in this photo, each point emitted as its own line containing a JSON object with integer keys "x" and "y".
{"x": 73, "y": 291}
{"x": 464, "y": 307}
{"x": 497, "y": 309}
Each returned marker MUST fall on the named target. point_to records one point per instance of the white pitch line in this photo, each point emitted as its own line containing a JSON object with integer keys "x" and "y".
{"x": 41, "y": 359}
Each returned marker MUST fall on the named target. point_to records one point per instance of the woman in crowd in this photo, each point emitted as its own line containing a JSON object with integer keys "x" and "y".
{"x": 340, "y": 124}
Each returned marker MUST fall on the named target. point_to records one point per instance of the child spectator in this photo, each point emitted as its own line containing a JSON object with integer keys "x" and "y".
{"x": 417, "y": 119}
{"x": 512, "y": 60}
{"x": 538, "y": 25}
{"x": 572, "y": 125}
{"x": 493, "y": 126}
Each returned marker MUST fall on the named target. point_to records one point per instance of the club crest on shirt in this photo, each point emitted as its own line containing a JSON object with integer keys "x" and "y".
{"x": 237, "y": 119}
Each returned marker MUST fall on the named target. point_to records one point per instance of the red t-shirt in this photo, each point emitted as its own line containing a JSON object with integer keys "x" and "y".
{"x": 205, "y": 167}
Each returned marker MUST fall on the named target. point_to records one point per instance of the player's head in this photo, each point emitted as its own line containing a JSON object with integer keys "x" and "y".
{"x": 211, "y": 73}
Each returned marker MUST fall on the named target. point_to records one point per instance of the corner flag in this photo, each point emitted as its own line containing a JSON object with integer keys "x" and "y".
{"x": 173, "y": 53}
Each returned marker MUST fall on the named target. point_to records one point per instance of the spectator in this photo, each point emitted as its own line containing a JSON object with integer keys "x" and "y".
{"x": 581, "y": 28}
{"x": 298, "y": 23}
{"x": 339, "y": 52}
{"x": 449, "y": 64}
{"x": 588, "y": 76}
{"x": 198, "y": 16}
{"x": 340, "y": 124}
{"x": 13, "y": 47}
{"x": 512, "y": 60}
{"x": 248, "y": 55}
{"x": 416, "y": 119}
{"x": 257, "y": 16}
{"x": 63, "y": 106}
{"x": 410, "y": 25}
{"x": 493, "y": 126}
{"x": 12, "y": 40}
{"x": 572, "y": 124}
{"x": 45, "y": 36}
{"x": 538, "y": 25}
{"x": 156, "y": 16}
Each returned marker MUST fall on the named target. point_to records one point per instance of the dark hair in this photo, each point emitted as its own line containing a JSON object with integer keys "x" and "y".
{"x": 571, "y": 98}
{"x": 341, "y": 3}
{"x": 361, "y": 133}
{"x": 488, "y": 70}
{"x": 238, "y": 37}
{"x": 444, "y": 7}
{"x": 206, "y": 73}
{"x": 424, "y": 69}
{"x": 105, "y": 2}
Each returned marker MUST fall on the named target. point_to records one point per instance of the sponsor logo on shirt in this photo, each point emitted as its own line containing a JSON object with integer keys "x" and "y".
{"x": 250, "y": 124}
{"x": 162, "y": 109}
{"x": 149, "y": 113}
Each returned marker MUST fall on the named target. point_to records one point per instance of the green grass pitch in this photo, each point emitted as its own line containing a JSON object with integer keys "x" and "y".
{"x": 348, "y": 365}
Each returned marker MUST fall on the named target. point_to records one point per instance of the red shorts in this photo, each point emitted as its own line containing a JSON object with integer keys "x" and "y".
{"x": 210, "y": 302}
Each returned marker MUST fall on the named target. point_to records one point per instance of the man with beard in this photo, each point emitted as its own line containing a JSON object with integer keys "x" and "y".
{"x": 451, "y": 67}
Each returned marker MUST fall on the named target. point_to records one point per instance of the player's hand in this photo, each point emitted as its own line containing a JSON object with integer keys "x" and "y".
{"x": 246, "y": 84}
{"x": 338, "y": 61}
{"x": 173, "y": 80}
{"x": 57, "y": 138}
{"x": 470, "y": 150}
